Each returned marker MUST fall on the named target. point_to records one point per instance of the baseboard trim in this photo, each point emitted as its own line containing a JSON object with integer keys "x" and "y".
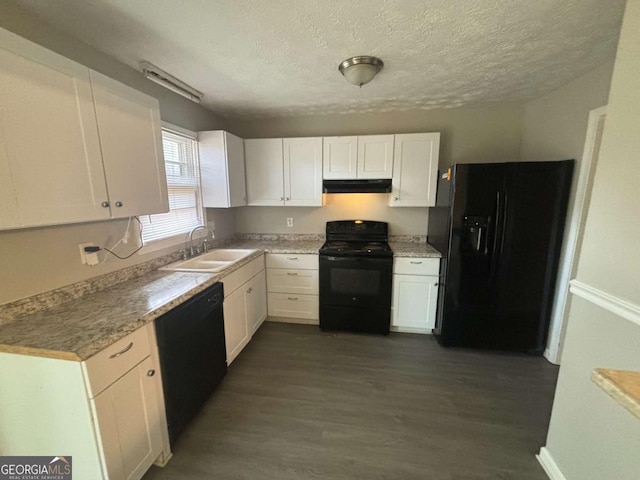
{"x": 301, "y": 321}
{"x": 607, "y": 301}
{"x": 549, "y": 465}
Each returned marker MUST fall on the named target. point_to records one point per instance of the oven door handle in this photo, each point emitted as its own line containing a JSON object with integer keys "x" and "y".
{"x": 353, "y": 259}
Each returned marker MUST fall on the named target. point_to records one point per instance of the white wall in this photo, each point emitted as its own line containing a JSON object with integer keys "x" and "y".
{"x": 40, "y": 259}
{"x": 482, "y": 133}
{"x": 554, "y": 127}
{"x": 363, "y": 206}
{"x": 591, "y": 436}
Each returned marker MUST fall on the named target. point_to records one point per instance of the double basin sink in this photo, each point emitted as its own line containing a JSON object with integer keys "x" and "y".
{"x": 212, "y": 261}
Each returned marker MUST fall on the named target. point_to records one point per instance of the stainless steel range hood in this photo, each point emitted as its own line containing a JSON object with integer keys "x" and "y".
{"x": 382, "y": 185}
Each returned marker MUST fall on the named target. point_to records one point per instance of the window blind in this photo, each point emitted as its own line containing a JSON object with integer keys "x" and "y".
{"x": 183, "y": 186}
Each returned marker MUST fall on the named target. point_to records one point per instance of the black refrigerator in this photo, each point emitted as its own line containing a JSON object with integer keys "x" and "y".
{"x": 499, "y": 227}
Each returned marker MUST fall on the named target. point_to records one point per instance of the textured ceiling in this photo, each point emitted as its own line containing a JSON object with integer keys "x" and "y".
{"x": 260, "y": 58}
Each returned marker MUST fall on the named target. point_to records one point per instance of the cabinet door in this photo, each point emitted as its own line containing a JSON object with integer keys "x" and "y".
{"x": 50, "y": 161}
{"x": 415, "y": 168}
{"x": 375, "y": 156}
{"x": 235, "y": 167}
{"x": 131, "y": 141}
{"x": 414, "y": 303}
{"x": 256, "y": 301}
{"x": 222, "y": 169}
{"x": 236, "y": 332}
{"x": 303, "y": 171}
{"x": 339, "y": 158}
{"x": 264, "y": 169}
{"x": 129, "y": 422}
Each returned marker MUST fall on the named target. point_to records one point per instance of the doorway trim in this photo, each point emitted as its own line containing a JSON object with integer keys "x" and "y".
{"x": 568, "y": 263}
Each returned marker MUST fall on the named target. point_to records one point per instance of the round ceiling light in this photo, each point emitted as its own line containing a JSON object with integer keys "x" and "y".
{"x": 360, "y": 70}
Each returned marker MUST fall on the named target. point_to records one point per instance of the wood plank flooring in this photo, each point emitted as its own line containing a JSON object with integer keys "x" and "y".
{"x": 299, "y": 403}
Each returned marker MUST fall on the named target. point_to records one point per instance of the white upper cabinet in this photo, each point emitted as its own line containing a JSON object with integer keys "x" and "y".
{"x": 303, "y": 171}
{"x": 222, "y": 169}
{"x": 131, "y": 140}
{"x": 375, "y": 156}
{"x": 365, "y": 157}
{"x": 73, "y": 143}
{"x": 340, "y": 158}
{"x": 284, "y": 171}
{"x": 50, "y": 161}
{"x": 264, "y": 170}
{"x": 415, "y": 168}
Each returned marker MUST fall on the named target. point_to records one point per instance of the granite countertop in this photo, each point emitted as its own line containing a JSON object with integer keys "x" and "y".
{"x": 80, "y": 328}
{"x": 413, "y": 249}
{"x": 279, "y": 245}
{"x": 622, "y": 385}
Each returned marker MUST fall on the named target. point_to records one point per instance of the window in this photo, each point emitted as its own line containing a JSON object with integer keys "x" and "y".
{"x": 183, "y": 185}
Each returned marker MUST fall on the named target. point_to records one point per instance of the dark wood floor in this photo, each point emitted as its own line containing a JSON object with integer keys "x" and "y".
{"x": 302, "y": 404}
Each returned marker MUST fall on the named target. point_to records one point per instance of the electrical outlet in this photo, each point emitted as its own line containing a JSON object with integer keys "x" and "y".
{"x": 83, "y": 254}
{"x": 289, "y": 221}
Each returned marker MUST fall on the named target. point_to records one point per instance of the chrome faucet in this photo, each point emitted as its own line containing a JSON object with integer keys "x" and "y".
{"x": 192, "y": 250}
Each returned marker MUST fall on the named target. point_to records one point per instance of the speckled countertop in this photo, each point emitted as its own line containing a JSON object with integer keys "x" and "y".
{"x": 80, "y": 328}
{"x": 413, "y": 249}
{"x": 621, "y": 385}
{"x": 280, "y": 246}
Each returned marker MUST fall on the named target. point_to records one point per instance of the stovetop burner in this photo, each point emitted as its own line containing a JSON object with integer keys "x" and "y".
{"x": 357, "y": 238}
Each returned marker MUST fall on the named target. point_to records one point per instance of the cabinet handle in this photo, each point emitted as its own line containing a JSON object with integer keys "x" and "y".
{"x": 292, "y": 258}
{"x": 118, "y": 204}
{"x": 281, "y": 199}
{"x": 416, "y": 263}
{"x": 292, "y": 298}
{"x": 292, "y": 273}
{"x": 105, "y": 204}
{"x": 123, "y": 351}
{"x": 288, "y": 198}
{"x": 250, "y": 290}
{"x": 436, "y": 284}
{"x": 151, "y": 373}
{"x": 395, "y": 199}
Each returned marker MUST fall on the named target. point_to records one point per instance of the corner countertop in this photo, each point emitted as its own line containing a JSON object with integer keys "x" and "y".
{"x": 622, "y": 385}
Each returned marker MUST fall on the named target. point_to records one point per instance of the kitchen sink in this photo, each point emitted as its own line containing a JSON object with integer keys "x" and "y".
{"x": 212, "y": 261}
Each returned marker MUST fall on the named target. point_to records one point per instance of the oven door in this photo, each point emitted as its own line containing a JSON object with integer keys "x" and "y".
{"x": 356, "y": 281}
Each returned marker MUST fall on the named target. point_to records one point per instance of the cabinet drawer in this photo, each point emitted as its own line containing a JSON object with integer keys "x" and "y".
{"x": 293, "y": 305}
{"x": 113, "y": 362}
{"x": 303, "y": 261}
{"x": 416, "y": 266}
{"x": 241, "y": 276}
{"x": 280, "y": 280}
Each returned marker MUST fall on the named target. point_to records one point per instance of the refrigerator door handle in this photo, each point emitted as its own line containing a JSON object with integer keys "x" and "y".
{"x": 496, "y": 235}
{"x": 504, "y": 222}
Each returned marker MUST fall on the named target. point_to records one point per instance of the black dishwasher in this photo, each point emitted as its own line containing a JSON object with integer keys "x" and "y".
{"x": 193, "y": 356}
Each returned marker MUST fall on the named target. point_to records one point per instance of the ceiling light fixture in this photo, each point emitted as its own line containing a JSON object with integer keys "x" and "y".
{"x": 161, "y": 77}
{"x": 360, "y": 70}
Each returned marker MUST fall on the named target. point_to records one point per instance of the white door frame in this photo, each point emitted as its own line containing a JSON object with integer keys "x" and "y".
{"x": 568, "y": 263}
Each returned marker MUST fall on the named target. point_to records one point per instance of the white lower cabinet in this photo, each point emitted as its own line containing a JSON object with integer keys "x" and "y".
{"x": 107, "y": 413}
{"x": 127, "y": 415}
{"x": 292, "y": 286}
{"x": 245, "y": 306}
{"x": 415, "y": 294}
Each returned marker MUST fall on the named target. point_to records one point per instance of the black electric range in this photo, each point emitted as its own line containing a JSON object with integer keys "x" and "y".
{"x": 356, "y": 267}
